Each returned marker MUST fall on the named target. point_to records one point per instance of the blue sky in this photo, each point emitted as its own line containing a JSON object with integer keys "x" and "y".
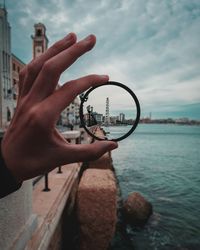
{"x": 150, "y": 45}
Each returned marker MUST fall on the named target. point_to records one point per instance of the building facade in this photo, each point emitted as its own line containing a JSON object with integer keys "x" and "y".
{"x": 98, "y": 117}
{"x": 70, "y": 115}
{"x": 122, "y": 117}
{"x": 17, "y": 66}
{"x": 6, "y": 101}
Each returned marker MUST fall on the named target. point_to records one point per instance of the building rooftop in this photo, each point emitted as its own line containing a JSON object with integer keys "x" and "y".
{"x": 17, "y": 58}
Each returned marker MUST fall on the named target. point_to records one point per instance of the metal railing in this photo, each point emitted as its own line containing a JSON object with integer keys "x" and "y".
{"x": 46, "y": 179}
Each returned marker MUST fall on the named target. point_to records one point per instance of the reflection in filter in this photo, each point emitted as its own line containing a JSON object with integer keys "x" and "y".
{"x": 109, "y": 112}
{"x": 92, "y": 117}
{"x": 106, "y": 126}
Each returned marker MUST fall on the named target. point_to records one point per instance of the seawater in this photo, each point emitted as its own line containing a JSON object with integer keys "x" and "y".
{"x": 162, "y": 162}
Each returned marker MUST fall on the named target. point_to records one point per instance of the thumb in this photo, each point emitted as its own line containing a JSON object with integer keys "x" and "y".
{"x": 89, "y": 152}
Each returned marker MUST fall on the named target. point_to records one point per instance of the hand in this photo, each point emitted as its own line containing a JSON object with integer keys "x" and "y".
{"x": 32, "y": 145}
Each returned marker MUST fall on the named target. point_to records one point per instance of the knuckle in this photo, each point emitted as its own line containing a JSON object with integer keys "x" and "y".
{"x": 34, "y": 118}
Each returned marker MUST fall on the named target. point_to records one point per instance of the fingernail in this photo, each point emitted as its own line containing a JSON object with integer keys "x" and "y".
{"x": 88, "y": 39}
{"x": 69, "y": 36}
{"x": 106, "y": 77}
{"x": 113, "y": 146}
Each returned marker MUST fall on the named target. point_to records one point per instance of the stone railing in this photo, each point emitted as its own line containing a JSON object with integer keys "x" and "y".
{"x": 97, "y": 203}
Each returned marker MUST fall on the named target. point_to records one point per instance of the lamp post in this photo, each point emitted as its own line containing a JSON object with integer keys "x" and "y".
{"x": 90, "y": 111}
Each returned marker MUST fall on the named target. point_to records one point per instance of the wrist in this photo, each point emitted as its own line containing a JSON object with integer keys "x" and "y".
{"x": 8, "y": 183}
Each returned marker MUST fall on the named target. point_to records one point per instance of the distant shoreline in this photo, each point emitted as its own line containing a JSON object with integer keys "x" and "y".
{"x": 181, "y": 121}
{"x": 178, "y": 124}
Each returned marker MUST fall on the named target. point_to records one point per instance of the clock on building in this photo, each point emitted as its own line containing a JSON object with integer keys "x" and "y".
{"x": 38, "y": 51}
{"x": 40, "y": 40}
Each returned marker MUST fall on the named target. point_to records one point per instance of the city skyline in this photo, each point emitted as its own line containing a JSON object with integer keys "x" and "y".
{"x": 115, "y": 94}
{"x": 153, "y": 50}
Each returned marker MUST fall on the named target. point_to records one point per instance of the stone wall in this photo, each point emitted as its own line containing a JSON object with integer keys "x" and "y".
{"x": 96, "y": 209}
{"x": 97, "y": 204}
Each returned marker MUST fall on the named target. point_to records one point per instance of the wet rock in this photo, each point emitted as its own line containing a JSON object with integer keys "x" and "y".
{"x": 137, "y": 209}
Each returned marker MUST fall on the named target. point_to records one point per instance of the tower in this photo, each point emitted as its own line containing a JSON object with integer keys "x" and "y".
{"x": 107, "y": 115}
{"x": 6, "y": 97}
{"x": 40, "y": 40}
{"x": 122, "y": 117}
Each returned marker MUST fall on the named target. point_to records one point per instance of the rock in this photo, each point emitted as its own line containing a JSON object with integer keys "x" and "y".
{"x": 137, "y": 209}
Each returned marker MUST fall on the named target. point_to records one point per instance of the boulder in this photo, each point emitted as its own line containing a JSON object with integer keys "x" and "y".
{"x": 137, "y": 209}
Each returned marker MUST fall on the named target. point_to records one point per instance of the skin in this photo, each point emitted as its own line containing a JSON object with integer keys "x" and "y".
{"x": 32, "y": 145}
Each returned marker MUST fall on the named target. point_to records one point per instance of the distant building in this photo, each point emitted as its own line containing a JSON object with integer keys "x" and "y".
{"x": 98, "y": 117}
{"x": 40, "y": 40}
{"x": 7, "y": 105}
{"x": 70, "y": 115}
{"x": 114, "y": 119}
{"x": 183, "y": 120}
{"x": 122, "y": 117}
{"x": 17, "y": 66}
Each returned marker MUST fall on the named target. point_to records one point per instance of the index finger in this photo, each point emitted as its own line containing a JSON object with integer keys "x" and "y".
{"x": 60, "y": 99}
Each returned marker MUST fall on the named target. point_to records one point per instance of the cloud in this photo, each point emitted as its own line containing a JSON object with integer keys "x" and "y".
{"x": 150, "y": 45}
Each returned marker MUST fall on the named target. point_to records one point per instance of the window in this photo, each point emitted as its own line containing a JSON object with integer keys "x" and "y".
{"x": 8, "y": 114}
{"x": 39, "y": 32}
{"x": 18, "y": 69}
{"x": 14, "y": 67}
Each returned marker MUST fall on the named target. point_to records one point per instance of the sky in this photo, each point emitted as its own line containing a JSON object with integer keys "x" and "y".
{"x": 98, "y": 99}
{"x": 152, "y": 46}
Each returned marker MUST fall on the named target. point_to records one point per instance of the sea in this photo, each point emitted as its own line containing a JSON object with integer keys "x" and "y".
{"x": 162, "y": 162}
